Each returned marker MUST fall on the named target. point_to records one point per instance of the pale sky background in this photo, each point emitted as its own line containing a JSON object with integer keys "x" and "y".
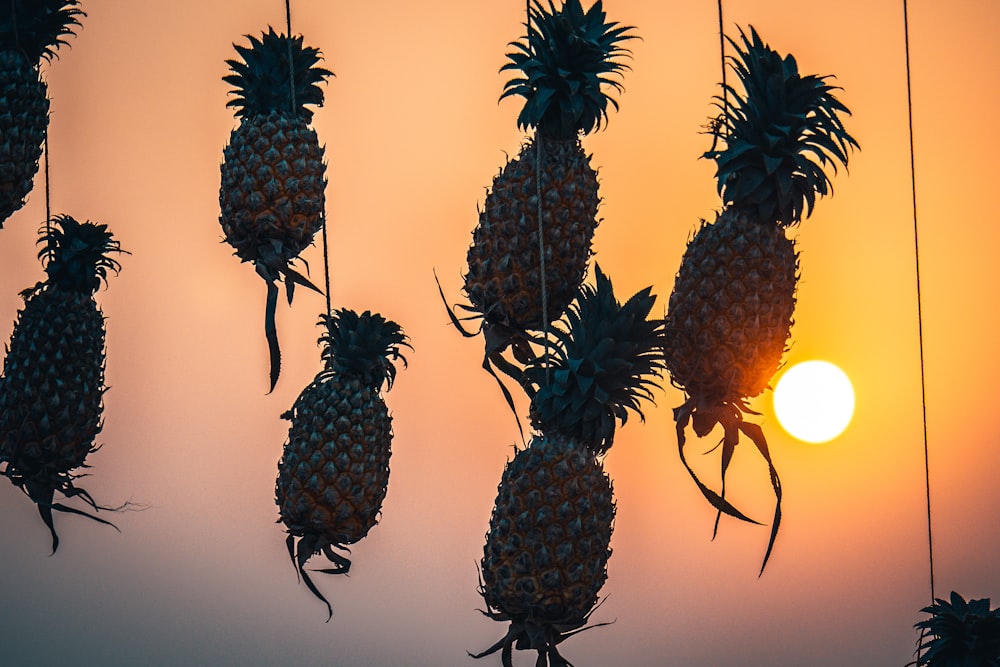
{"x": 414, "y": 135}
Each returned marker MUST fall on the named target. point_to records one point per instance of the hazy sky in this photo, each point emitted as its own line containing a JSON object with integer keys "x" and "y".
{"x": 414, "y": 135}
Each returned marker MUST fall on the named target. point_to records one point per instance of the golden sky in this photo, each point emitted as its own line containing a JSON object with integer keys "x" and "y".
{"x": 413, "y": 136}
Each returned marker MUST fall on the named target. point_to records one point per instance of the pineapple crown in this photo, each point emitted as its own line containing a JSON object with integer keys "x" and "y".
{"x": 37, "y": 27}
{"x": 262, "y": 81}
{"x": 959, "y": 633}
{"x": 76, "y": 255}
{"x": 778, "y": 136}
{"x": 363, "y": 346}
{"x": 602, "y": 361}
{"x": 566, "y": 58}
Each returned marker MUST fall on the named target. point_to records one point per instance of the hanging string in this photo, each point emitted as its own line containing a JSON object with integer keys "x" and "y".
{"x": 48, "y": 187}
{"x": 291, "y": 81}
{"x": 920, "y": 319}
{"x": 541, "y": 226}
{"x": 722, "y": 56}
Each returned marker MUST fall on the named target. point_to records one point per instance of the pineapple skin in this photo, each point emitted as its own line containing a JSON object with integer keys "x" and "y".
{"x": 548, "y": 544}
{"x": 730, "y": 313}
{"x": 24, "y": 118}
{"x": 51, "y": 396}
{"x": 504, "y": 270}
{"x": 272, "y": 195}
{"x": 334, "y": 470}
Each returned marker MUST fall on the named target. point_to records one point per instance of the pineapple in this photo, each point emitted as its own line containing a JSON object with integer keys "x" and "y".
{"x": 272, "y": 194}
{"x": 30, "y": 31}
{"x": 564, "y": 64}
{"x": 548, "y": 544}
{"x": 730, "y": 312}
{"x": 333, "y": 474}
{"x": 51, "y": 393}
{"x": 962, "y": 634}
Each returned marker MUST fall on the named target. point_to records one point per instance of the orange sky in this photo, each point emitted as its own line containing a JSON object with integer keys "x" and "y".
{"x": 414, "y": 134}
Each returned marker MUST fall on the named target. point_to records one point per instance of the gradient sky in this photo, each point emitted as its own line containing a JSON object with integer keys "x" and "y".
{"x": 414, "y": 135}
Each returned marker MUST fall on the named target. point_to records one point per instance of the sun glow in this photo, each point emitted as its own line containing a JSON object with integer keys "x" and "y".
{"x": 814, "y": 401}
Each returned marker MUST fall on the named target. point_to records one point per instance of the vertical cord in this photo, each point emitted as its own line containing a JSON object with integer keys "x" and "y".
{"x": 722, "y": 54}
{"x": 541, "y": 226}
{"x": 920, "y": 319}
{"x": 48, "y": 187}
{"x": 291, "y": 81}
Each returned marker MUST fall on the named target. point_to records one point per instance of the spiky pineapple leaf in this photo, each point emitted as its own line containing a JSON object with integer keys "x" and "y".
{"x": 362, "y": 345}
{"x": 263, "y": 81}
{"x": 567, "y": 60}
{"x": 778, "y": 135}
{"x": 37, "y": 28}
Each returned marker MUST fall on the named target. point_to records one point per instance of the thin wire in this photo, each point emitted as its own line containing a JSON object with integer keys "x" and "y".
{"x": 920, "y": 319}
{"x": 541, "y": 226}
{"x": 722, "y": 53}
{"x": 48, "y": 187}
{"x": 291, "y": 79}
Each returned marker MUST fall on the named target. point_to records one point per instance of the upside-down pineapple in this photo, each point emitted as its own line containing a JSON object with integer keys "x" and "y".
{"x": 548, "y": 545}
{"x": 30, "y": 31}
{"x": 334, "y": 471}
{"x": 565, "y": 64}
{"x": 730, "y": 313}
{"x": 51, "y": 393}
{"x": 272, "y": 196}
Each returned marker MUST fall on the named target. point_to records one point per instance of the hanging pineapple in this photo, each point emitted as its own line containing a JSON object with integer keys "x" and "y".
{"x": 548, "y": 545}
{"x": 730, "y": 313}
{"x": 51, "y": 393}
{"x": 30, "y": 31}
{"x": 272, "y": 196}
{"x": 333, "y": 474}
{"x": 564, "y": 65}
{"x": 959, "y": 634}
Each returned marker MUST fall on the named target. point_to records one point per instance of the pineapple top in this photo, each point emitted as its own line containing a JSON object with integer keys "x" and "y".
{"x": 959, "y": 633}
{"x": 262, "y": 81}
{"x": 37, "y": 27}
{"x": 778, "y": 136}
{"x": 602, "y": 361}
{"x": 363, "y": 346}
{"x": 76, "y": 255}
{"x": 565, "y": 61}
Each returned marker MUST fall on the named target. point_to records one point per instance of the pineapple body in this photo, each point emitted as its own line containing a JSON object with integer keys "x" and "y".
{"x": 730, "y": 313}
{"x": 549, "y": 539}
{"x": 272, "y": 196}
{"x": 504, "y": 279}
{"x": 334, "y": 472}
{"x": 51, "y": 396}
{"x": 24, "y": 109}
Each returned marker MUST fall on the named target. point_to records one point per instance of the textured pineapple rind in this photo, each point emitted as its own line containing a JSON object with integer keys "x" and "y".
{"x": 53, "y": 384}
{"x": 334, "y": 471}
{"x": 549, "y": 539}
{"x": 504, "y": 269}
{"x": 730, "y": 313}
{"x": 272, "y": 195}
{"x": 24, "y": 117}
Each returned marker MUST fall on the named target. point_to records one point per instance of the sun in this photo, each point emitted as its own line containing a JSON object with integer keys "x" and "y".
{"x": 814, "y": 401}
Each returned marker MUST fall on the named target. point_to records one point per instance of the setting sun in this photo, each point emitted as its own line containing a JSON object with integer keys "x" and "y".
{"x": 814, "y": 401}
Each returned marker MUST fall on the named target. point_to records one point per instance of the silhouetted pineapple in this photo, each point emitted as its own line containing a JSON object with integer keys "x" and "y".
{"x": 333, "y": 474}
{"x": 30, "y": 31}
{"x": 959, "y": 634}
{"x": 548, "y": 545}
{"x": 564, "y": 65}
{"x": 51, "y": 393}
{"x": 730, "y": 313}
{"x": 272, "y": 196}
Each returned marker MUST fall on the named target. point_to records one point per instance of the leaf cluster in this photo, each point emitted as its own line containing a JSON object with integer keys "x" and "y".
{"x": 600, "y": 361}
{"x": 37, "y": 27}
{"x": 959, "y": 633}
{"x": 263, "y": 81}
{"x": 565, "y": 60}
{"x": 76, "y": 255}
{"x": 363, "y": 346}
{"x": 778, "y": 136}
